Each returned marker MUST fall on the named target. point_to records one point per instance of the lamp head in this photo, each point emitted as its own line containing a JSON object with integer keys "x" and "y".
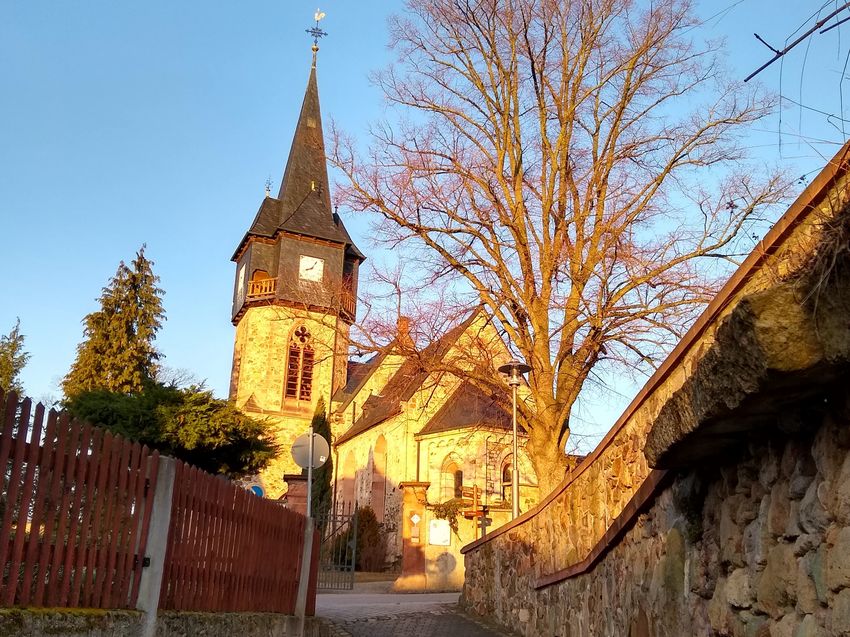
{"x": 514, "y": 370}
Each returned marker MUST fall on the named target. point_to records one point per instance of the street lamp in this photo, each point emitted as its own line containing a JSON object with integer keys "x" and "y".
{"x": 514, "y": 371}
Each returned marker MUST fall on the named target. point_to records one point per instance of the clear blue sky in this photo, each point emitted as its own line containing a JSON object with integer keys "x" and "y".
{"x": 159, "y": 122}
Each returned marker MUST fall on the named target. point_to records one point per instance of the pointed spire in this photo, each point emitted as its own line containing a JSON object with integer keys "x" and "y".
{"x": 304, "y": 190}
{"x": 303, "y": 204}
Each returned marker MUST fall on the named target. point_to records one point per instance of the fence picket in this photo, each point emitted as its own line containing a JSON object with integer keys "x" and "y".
{"x": 62, "y": 540}
{"x": 21, "y": 527}
{"x": 22, "y": 540}
{"x": 11, "y": 493}
{"x": 115, "y": 519}
{"x": 121, "y": 583}
{"x": 57, "y": 466}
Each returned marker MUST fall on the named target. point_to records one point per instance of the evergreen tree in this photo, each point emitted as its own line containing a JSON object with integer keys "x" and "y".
{"x": 189, "y": 424}
{"x": 13, "y": 358}
{"x": 118, "y": 352}
{"x": 322, "y": 493}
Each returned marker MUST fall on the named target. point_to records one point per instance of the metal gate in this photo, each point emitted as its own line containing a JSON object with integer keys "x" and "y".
{"x": 338, "y": 551}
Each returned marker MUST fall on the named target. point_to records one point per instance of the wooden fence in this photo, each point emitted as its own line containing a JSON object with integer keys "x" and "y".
{"x": 75, "y": 520}
{"x": 75, "y": 506}
{"x": 229, "y": 550}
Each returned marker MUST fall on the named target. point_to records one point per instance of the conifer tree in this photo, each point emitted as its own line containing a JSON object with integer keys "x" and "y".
{"x": 118, "y": 353}
{"x": 322, "y": 494}
{"x": 13, "y": 358}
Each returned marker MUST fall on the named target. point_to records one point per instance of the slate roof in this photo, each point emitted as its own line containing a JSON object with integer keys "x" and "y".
{"x": 303, "y": 205}
{"x": 404, "y": 383}
{"x": 358, "y": 374}
{"x": 469, "y": 406}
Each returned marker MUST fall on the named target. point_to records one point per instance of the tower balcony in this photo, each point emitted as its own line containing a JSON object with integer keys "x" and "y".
{"x": 261, "y": 289}
{"x": 349, "y": 303}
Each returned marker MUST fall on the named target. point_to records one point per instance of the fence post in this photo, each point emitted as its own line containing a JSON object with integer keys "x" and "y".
{"x": 151, "y": 584}
{"x": 306, "y": 569}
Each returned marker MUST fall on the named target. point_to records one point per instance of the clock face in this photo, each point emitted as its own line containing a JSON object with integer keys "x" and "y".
{"x": 311, "y": 268}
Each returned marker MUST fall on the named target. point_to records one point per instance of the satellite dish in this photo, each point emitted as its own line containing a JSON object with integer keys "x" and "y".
{"x": 301, "y": 451}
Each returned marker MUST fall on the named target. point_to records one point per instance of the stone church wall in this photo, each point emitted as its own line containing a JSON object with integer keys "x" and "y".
{"x": 757, "y": 547}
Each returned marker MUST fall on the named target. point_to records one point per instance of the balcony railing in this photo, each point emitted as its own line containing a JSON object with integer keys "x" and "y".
{"x": 262, "y": 288}
{"x": 349, "y": 302}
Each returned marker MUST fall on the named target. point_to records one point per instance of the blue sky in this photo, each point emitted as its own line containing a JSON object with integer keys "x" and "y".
{"x": 159, "y": 123}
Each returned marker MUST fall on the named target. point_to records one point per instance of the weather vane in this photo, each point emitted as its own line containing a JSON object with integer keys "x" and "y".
{"x": 316, "y": 32}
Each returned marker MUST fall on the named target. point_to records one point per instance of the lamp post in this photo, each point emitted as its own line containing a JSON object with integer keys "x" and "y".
{"x": 514, "y": 370}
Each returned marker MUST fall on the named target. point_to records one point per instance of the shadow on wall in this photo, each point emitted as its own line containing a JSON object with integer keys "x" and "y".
{"x": 441, "y": 571}
{"x": 369, "y": 489}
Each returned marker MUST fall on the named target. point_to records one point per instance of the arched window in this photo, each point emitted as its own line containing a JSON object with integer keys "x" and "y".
{"x": 452, "y": 481}
{"x": 507, "y": 481}
{"x": 299, "y": 368}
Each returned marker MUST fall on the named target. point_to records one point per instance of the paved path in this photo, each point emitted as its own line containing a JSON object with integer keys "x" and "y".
{"x": 381, "y": 614}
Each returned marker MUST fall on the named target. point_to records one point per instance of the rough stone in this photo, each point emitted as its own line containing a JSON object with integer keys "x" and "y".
{"x": 777, "y": 581}
{"x": 840, "y": 619}
{"x": 805, "y": 543}
{"x": 807, "y": 595}
{"x": 785, "y": 627}
{"x": 813, "y": 516}
{"x": 778, "y": 513}
{"x": 841, "y": 496}
{"x": 738, "y": 592}
{"x": 808, "y": 627}
{"x": 838, "y": 561}
{"x": 754, "y": 538}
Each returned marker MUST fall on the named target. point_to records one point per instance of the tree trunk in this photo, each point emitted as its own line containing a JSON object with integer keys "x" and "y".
{"x": 548, "y": 458}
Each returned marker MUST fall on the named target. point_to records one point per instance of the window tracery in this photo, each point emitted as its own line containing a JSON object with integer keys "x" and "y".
{"x": 299, "y": 367}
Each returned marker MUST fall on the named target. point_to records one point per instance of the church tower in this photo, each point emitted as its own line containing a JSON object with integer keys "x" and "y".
{"x": 295, "y": 294}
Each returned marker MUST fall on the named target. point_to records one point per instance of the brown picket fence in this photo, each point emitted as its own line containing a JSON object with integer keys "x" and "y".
{"x": 229, "y": 550}
{"x": 74, "y": 510}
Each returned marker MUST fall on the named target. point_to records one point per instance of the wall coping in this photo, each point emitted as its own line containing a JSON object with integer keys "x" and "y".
{"x": 796, "y": 213}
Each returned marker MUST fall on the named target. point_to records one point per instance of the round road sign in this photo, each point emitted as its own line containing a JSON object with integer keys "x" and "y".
{"x": 301, "y": 451}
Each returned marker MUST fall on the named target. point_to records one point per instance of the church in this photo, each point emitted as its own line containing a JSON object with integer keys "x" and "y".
{"x": 399, "y": 418}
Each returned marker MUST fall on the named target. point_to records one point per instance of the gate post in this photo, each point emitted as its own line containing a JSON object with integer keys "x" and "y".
{"x": 413, "y": 571}
{"x": 302, "y": 602}
{"x": 151, "y": 582}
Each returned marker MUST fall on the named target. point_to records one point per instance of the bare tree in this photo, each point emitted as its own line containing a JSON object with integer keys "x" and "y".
{"x": 573, "y": 166}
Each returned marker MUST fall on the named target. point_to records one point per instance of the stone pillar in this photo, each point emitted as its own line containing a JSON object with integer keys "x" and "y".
{"x": 413, "y": 537}
{"x": 296, "y": 494}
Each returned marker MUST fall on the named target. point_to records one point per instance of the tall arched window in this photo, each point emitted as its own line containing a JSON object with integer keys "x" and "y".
{"x": 452, "y": 480}
{"x": 507, "y": 480}
{"x": 299, "y": 367}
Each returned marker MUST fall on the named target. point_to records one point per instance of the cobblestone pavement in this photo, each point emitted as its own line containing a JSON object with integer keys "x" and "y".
{"x": 399, "y": 615}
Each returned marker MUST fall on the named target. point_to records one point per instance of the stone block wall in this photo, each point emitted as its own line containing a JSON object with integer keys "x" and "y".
{"x": 756, "y": 547}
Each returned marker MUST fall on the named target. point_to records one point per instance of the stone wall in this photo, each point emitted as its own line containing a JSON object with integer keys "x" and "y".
{"x": 757, "y": 547}
{"x": 99, "y": 623}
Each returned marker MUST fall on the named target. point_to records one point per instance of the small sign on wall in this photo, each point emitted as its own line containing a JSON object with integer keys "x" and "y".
{"x": 439, "y": 533}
